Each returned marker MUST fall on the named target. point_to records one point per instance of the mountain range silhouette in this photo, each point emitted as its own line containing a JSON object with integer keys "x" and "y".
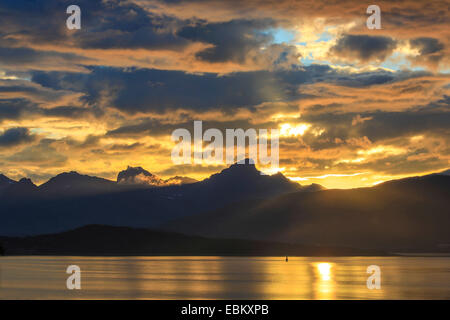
{"x": 409, "y": 214}
{"x": 71, "y": 200}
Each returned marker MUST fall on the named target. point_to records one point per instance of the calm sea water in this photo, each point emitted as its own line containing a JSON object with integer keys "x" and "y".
{"x": 33, "y": 277}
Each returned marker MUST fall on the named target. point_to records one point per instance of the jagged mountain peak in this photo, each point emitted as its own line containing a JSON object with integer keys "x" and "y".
{"x": 138, "y": 176}
{"x": 246, "y": 170}
{"x": 242, "y": 180}
{"x": 132, "y": 171}
{"x": 238, "y": 170}
{"x": 26, "y": 181}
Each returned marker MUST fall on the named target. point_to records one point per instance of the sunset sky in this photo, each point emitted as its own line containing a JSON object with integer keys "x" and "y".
{"x": 355, "y": 106}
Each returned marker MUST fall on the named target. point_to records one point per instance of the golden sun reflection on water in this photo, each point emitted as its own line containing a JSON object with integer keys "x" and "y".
{"x": 324, "y": 269}
{"x": 35, "y": 277}
{"x": 324, "y": 284}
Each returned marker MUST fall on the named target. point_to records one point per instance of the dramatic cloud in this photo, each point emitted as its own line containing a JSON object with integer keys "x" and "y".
{"x": 363, "y": 48}
{"x": 26, "y": 57}
{"x": 241, "y": 41}
{"x": 148, "y": 90}
{"x": 14, "y": 108}
{"x": 15, "y": 136}
{"x": 67, "y": 112}
{"x": 142, "y": 90}
{"x": 431, "y": 51}
{"x": 232, "y": 40}
{"x": 427, "y": 45}
{"x": 354, "y": 106}
{"x": 122, "y": 24}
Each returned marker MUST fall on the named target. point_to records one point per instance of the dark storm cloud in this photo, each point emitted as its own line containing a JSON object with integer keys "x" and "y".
{"x": 26, "y": 90}
{"x": 71, "y": 112}
{"x": 148, "y": 90}
{"x": 363, "y": 47}
{"x": 431, "y": 50}
{"x": 231, "y": 40}
{"x": 28, "y": 56}
{"x": 105, "y": 24}
{"x": 365, "y": 79}
{"x": 37, "y": 20}
{"x": 15, "y": 136}
{"x": 18, "y": 108}
{"x": 427, "y": 45}
{"x": 141, "y": 90}
{"x": 15, "y": 108}
{"x": 126, "y": 25}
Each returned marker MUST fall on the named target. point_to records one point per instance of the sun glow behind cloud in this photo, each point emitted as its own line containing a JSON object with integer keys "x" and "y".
{"x": 287, "y": 129}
